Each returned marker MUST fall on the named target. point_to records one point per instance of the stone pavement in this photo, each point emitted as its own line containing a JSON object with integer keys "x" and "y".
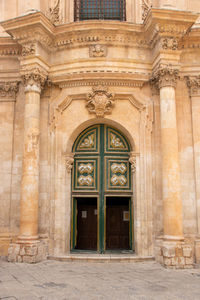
{"x": 53, "y": 280}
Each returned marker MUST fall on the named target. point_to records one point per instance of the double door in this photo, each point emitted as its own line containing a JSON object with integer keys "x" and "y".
{"x": 101, "y": 191}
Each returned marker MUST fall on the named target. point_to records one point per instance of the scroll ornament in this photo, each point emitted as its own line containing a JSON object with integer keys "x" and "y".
{"x": 132, "y": 160}
{"x": 69, "y": 160}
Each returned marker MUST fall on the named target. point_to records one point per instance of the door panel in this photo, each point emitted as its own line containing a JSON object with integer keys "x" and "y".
{"x": 117, "y": 226}
{"x": 86, "y": 226}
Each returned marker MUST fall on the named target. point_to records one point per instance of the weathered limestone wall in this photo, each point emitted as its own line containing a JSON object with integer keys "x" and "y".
{"x": 6, "y": 141}
{"x": 186, "y": 156}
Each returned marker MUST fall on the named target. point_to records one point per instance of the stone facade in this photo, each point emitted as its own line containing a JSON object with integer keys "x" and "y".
{"x": 58, "y": 77}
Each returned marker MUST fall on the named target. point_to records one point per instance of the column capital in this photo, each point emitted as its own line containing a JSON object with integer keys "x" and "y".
{"x": 164, "y": 75}
{"x": 193, "y": 83}
{"x": 34, "y": 79}
{"x": 8, "y": 90}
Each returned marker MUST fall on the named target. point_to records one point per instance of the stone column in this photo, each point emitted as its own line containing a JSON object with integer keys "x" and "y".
{"x": 172, "y": 246}
{"x": 28, "y": 247}
{"x": 193, "y": 83}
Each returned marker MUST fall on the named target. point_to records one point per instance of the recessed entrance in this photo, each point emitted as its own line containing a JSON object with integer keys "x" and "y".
{"x": 117, "y": 223}
{"x": 101, "y": 191}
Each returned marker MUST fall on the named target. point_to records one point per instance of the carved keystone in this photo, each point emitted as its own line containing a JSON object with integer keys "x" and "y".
{"x": 100, "y": 102}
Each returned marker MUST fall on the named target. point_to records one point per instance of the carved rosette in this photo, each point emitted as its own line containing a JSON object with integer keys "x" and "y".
{"x": 34, "y": 80}
{"x": 100, "y": 102}
{"x": 164, "y": 75}
{"x": 132, "y": 160}
{"x": 69, "y": 161}
{"x": 8, "y": 90}
{"x": 193, "y": 83}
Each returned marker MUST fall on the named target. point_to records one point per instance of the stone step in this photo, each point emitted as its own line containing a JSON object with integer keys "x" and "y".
{"x": 101, "y": 258}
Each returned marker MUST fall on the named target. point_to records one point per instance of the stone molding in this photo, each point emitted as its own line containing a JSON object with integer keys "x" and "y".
{"x": 164, "y": 75}
{"x": 69, "y": 161}
{"x": 100, "y": 102}
{"x": 34, "y": 80}
{"x": 193, "y": 83}
{"x": 8, "y": 90}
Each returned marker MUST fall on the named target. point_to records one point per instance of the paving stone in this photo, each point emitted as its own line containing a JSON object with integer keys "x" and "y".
{"x": 53, "y": 280}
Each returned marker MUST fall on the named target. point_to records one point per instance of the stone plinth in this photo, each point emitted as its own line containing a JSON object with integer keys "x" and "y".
{"x": 175, "y": 254}
{"x": 27, "y": 252}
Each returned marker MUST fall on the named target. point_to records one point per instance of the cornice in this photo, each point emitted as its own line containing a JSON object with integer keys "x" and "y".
{"x": 29, "y": 28}
{"x": 102, "y": 78}
{"x": 167, "y": 27}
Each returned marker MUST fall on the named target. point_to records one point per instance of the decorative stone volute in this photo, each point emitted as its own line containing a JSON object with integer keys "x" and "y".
{"x": 69, "y": 160}
{"x": 164, "y": 75}
{"x": 193, "y": 83}
{"x": 34, "y": 80}
{"x": 100, "y": 102}
{"x": 132, "y": 160}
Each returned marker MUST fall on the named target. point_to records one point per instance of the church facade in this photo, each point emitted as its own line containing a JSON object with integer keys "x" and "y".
{"x": 100, "y": 135}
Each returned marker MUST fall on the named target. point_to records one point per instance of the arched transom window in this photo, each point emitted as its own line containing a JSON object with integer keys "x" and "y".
{"x": 99, "y": 10}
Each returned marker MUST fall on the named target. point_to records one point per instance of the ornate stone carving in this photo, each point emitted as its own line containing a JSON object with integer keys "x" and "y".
{"x": 170, "y": 43}
{"x": 132, "y": 160}
{"x": 53, "y": 14}
{"x": 28, "y": 49}
{"x": 145, "y": 8}
{"x": 69, "y": 160}
{"x": 164, "y": 75}
{"x": 8, "y": 89}
{"x": 34, "y": 79}
{"x": 98, "y": 51}
{"x": 100, "y": 101}
{"x": 193, "y": 83}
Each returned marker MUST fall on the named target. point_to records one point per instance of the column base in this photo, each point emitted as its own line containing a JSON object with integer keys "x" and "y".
{"x": 27, "y": 251}
{"x": 175, "y": 254}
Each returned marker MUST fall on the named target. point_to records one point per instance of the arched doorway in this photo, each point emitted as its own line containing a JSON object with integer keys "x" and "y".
{"x": 101, "y": 191}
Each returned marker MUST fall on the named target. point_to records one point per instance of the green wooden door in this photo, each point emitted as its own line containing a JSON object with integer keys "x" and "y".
{"x": 101, "y": 169}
